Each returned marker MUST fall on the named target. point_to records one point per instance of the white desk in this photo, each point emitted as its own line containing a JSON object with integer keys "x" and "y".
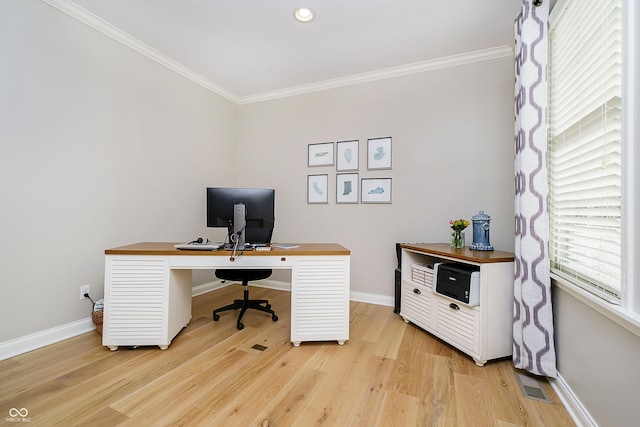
{"x": 147, "y": 291}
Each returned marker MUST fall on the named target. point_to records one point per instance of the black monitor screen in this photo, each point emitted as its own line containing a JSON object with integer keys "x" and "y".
{"x": 259, "y": 205}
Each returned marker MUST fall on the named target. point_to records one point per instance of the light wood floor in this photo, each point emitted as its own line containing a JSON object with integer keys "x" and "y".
{"x": 388, "y": 374}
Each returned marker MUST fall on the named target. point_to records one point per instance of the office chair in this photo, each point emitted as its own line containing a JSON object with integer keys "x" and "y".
{"x": 245, "y": 276}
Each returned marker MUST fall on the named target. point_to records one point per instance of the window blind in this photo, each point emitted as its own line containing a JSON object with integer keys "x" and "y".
{"x": 584, "y": 153}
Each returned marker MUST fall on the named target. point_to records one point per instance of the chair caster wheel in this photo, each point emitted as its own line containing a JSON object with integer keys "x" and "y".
{"x": 268, "y": 306}
{"x": 240, "y": 326}
{"x": 274, "y": 318}
{"x": 216, "y": 317}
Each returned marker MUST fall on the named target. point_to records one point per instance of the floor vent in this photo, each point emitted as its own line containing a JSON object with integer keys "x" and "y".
{"x": 259, "y": 347}
{"x": 531, "y": 388}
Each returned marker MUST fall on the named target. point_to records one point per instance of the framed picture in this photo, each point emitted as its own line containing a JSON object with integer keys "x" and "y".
{"x": 379, "y": 153}
{"x": 347, "y": 156}
{"x": 347, "y": 188}
{"x": 321, "y": 154}
{"x": 317, "y": 188}
{"x": 376, "y": 190}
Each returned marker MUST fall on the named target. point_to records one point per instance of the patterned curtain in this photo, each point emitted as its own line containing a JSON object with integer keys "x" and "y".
{"x": 533, "y": 346}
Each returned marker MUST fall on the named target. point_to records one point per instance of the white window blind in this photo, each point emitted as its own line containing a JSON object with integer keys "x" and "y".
{"x": 584, "y": 164}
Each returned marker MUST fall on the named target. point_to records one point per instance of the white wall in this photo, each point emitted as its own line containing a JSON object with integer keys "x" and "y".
{"x": 100, "y": 147}
{"x": 453, "y": 153}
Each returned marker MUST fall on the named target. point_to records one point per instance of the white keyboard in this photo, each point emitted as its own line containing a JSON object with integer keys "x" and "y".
{"x": 211, "y": 246}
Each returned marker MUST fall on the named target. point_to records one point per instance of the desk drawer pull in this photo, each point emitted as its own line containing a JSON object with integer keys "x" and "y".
{"x": 416, "y": 291}
{"x": 283, "y": 259}
{"x": 454, "y": 306}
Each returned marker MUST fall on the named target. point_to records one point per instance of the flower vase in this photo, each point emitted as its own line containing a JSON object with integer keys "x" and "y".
{"x": 457, "y": 239}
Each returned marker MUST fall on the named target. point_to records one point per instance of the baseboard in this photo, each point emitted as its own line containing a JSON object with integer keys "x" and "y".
{"x": 40, "y": 339}
{"x": 212, "y": 286}
{"x": 377, "y": 299}
{"x": 274, "y": 284}
{"x": 572, "y": 404}
{"x": 207, "y": 287}
{"x": 43, "y": 338}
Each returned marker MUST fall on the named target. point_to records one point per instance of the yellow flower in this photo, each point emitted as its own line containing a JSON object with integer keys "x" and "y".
{"x": 459, "y": 224}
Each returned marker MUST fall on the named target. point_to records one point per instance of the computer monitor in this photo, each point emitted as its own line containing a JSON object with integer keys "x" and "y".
{"x": 247, "y": 213}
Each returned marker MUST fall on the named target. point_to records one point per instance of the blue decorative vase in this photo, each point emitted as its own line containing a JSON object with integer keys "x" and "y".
{"x": 481, "y": 232}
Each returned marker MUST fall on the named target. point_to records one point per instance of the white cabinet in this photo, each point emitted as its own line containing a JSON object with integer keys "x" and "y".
{"x": 484, "y": 331}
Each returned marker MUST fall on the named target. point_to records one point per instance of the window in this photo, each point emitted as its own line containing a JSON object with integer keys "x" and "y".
{"x": 585, "y": 144}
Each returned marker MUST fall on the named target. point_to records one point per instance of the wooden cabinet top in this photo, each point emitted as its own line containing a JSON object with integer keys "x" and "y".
{"x": 465, "y": 254}
{"x": 167, "y": 248}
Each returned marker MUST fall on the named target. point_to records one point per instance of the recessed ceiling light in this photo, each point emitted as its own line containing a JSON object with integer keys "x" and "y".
{"x": 303, "y": 14}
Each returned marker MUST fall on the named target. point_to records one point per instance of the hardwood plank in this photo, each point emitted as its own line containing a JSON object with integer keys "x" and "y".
{"x": 506, "y": 398}
{"x": 473, "y": 406}
{"x": 235, "y": 383}
{"x": 364, "y": 391}
{"x": 438, "y": 400}
{"x": 258, "y": 392}
{"x": 289, "y": 405}
{"x": 334, "y": 392}
{"x": 398, "y": 409}
{"x": 193, "y": 381}
{"x": 390, "y": 339}
{"x": 36, "y": 367}
{"x": 104, "y": 418}
{"x": 80, "y": 404}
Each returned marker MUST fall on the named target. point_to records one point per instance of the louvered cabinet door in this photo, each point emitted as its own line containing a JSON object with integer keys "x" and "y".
{"x": 416, "y": 304}
{"x": 459, "y": 325}
{"x": 320, "y": 299}
{"x": 137, "y": 294}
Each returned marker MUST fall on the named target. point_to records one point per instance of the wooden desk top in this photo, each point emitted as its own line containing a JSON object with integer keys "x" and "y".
{"x": 465, "y": 253}
{"x": 167, "y": 248}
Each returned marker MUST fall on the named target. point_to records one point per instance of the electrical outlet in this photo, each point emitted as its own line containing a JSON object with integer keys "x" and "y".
{"x": 84, "y": 289}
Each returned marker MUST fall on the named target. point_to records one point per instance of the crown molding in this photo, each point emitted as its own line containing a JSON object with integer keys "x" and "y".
{"x": 126, "y": 39}
{"x": 387, "y": 73}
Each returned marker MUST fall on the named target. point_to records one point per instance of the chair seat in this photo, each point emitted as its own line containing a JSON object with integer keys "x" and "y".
{"x": 243, "y": 275}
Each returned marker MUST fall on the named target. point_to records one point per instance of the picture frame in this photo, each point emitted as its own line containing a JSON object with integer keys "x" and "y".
{"x": 347, "y": 188}
{"x": 379, "y": 153}
{"x": 347, "y": 155}
{"x": 318, "y": 188}
{"x": 375, "y": 190}
{"x": 320, "y": 154}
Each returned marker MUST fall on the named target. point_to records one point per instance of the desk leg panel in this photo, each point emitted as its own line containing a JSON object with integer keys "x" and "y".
{"x": 320, "y": 291}
{"x": 179, "y": 302}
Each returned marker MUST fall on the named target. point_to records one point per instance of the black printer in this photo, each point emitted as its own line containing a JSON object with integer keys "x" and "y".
{"x": 458, "y": 281}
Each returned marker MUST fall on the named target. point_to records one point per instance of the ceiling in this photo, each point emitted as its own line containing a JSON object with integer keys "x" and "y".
{"x": 245, "y": 49}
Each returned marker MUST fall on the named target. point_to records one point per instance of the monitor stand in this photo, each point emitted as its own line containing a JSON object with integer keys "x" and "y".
{"x": 239, "y": 223}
